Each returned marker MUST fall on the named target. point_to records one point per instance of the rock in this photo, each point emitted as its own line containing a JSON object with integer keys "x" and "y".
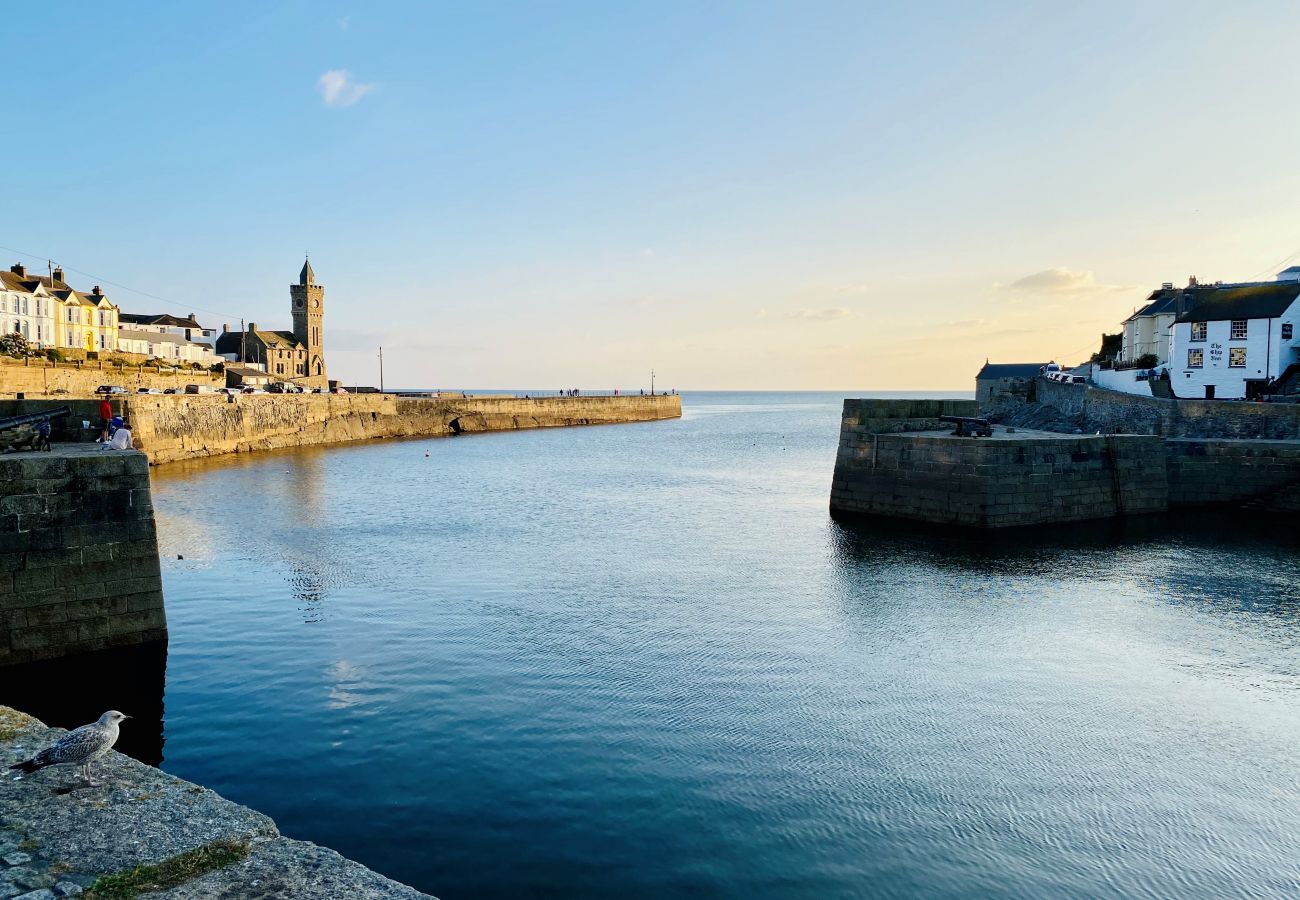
{"x": 284, "y": 869}
{"x": 42, "y": 894}
{"x": 8, "y": 891}
{"x": 67, "y": 889}
{"x": 17, "y": 858}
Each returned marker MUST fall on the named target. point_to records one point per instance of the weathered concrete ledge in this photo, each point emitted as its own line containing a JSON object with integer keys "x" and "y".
{"x": 60, "y": 841}
{"x": 79, "y": 566}
{"x": 171, "y": 428}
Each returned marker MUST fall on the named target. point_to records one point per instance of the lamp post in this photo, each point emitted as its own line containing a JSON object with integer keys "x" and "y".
{"x": 381, "y": 370}
{"x": 652, "y": 382}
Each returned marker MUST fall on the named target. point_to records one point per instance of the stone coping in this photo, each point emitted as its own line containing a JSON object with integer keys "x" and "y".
{"x": 58, "y": 837}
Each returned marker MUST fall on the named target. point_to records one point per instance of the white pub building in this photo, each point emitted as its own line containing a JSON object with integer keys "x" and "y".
{"x": 1234, "y": 341}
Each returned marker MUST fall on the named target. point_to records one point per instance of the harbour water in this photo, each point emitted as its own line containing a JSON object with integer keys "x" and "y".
{"x": 642, "y": 661}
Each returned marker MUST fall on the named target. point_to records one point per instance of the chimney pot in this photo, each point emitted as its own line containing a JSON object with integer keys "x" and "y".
{"x": 225, "y": 327}
{"x": 19, "y": 269}
{"x": 96, "y": 291}
{"x": 58, "y": 274}
{"x": 1191, "y": 281}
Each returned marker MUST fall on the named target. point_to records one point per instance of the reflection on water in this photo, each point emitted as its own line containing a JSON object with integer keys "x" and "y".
{"x": 642, "y": 661}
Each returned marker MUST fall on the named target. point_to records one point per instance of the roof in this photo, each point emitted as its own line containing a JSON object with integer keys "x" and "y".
{"x": 1161, "y": 302}
{"x": 246, "y": 371}
{"x": 1010, "y": 370}
{"x": 229, "y": 341}
{"x": 1214, "y": 303}
{"x": 306, "y": 276}
{"x": 159, "y": 319}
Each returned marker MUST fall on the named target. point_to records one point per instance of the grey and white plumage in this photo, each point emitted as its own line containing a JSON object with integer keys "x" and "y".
{"x": 79, "y": 747}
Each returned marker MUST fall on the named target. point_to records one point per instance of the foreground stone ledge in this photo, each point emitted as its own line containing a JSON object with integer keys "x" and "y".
{"x": 58, "y": 832}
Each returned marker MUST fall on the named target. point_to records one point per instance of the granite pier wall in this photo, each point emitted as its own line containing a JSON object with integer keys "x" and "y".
{"x": 79, "y": 566}
{"x": 188, "y": 426}
{"x": 1036, "y": 478}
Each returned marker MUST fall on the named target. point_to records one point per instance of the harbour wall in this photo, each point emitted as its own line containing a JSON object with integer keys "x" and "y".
{"x": 174, "y": 427}
{"x": 1097, "y": 409}
{"x": 1035, "y": 478}
{"x": 40, "y": 378}
{"x": 79, "y": 567}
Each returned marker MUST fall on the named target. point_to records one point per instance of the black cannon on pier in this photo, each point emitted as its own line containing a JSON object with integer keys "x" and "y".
{"x": 968, "y": 426}
{"x": 39, "y": 437}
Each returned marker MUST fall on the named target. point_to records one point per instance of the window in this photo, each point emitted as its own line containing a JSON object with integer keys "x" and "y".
{"x": 1195, "y": 358}
{"x": 1198, "y": 331}
{"x": 1236, "y": 357}
{"x": 279, "y": 368}
{"x": 1238, "y": 330}
{"x": 1286, "y": 331}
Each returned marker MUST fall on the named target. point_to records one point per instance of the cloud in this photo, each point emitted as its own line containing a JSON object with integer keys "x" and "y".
{"x": 338, "y": 88}
{"x": 1059, "y": 280}
{"x": 761, "y": 314}
{"x": 821, "y": 315}
{"x": 345, "y": 23}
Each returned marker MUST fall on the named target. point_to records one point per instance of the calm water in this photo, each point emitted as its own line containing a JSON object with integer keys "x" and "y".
{"x": 642, "y": 661}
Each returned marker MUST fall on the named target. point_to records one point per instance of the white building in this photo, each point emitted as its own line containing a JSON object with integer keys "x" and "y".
{"x": 1230, "y": 341}
{"x": 167, "y": 347}
{"x": 167, "y": 337}
{"x": 49, "y": 313}
{"x": 1147, "y": 330}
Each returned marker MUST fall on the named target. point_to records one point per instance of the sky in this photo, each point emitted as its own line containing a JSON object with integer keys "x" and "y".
{"x": 738, "y": 195}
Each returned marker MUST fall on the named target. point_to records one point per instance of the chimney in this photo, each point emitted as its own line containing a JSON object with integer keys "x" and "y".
{"x": 19, "y": 269}
{"x": 1191, "y": 281}
{"x": 1167, "y": 286}
{"x": 96, "y": 291}
{"x": 252, "y": 327}
{"x": 225, "y": 327}
{"x": 58, "y": 274}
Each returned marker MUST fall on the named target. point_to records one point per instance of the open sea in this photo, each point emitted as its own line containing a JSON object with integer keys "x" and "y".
{"x": 642, "y": 661}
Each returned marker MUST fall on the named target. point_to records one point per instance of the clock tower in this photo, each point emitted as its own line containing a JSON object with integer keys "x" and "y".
{"x": 308, "y": 300}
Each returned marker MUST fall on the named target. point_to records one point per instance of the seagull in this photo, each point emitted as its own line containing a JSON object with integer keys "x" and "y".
{"x": 79, "y": 747}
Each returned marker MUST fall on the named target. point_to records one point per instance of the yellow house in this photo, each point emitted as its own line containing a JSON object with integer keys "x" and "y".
{"x": 87, "y": 321}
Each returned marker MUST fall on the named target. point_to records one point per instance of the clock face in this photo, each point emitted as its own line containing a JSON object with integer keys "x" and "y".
{"x": 299, "y": 303}
{"x": 315, "y": 303}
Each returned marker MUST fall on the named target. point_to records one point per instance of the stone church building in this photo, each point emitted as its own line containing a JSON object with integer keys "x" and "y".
{"x": 297, "y": 355}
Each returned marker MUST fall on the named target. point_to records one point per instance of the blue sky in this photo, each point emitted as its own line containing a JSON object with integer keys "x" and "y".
{"x": 740, "y": 195}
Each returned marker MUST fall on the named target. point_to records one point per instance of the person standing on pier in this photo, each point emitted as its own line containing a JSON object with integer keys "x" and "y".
{"x": 106, "y": 414}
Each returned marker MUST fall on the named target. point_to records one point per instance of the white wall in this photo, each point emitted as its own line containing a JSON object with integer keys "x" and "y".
{"x": 1124, "y": 380}
{"x": 1267, "y": 355}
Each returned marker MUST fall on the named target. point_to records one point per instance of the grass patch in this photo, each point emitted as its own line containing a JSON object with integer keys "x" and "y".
{"x": 169, "y": 873}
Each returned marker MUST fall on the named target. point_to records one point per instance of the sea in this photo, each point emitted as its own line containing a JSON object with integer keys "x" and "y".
{"x": 643, "y": 661}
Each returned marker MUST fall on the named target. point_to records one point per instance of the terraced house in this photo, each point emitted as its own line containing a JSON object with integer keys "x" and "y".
{"x": 49, "y": 312}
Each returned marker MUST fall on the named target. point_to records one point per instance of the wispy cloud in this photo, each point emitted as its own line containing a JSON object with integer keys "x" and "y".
{"x": 821, "y": 315}
{"x": 1059, "y": 280}
{"x": 339, "y": 88}
{"x": 345, "y": 23}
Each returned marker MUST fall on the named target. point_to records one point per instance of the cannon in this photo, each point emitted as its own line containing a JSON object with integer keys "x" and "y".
{"x": 38, "y": 437}
{"x": 968, "y": 426}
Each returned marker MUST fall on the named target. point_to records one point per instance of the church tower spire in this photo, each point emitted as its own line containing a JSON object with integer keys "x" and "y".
{"x": 307, "y": 299}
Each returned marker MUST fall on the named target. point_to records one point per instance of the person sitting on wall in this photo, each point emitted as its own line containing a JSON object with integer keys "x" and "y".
{"x": 121, "y": 439}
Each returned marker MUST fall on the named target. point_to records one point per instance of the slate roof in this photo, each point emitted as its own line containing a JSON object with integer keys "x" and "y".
{"x": 1010, "y": 370}
{"x": 1215, "y": 303}
{"x": 159, "y": 319}
{"x": 1160, "y": 301}
{"x": 229, "y": 341}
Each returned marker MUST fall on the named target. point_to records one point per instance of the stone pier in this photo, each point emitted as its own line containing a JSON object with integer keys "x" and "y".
{"x": 79, "y": 564}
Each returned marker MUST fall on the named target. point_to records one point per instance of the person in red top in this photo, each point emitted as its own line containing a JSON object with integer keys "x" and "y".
{"x": 105, "y": 413}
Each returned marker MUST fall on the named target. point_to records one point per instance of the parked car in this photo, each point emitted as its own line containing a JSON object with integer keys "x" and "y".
{"x": 171, "y": 391}
{"x": 1078, "y": 379}
{"x": 111, "y": 389}
{"x": 146, "y": 390}
{"x": 338, "y": 390}
{"x": 197, "y": 389}
{"x": 252, "y": 390}
{"x": 276, "y": 387}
